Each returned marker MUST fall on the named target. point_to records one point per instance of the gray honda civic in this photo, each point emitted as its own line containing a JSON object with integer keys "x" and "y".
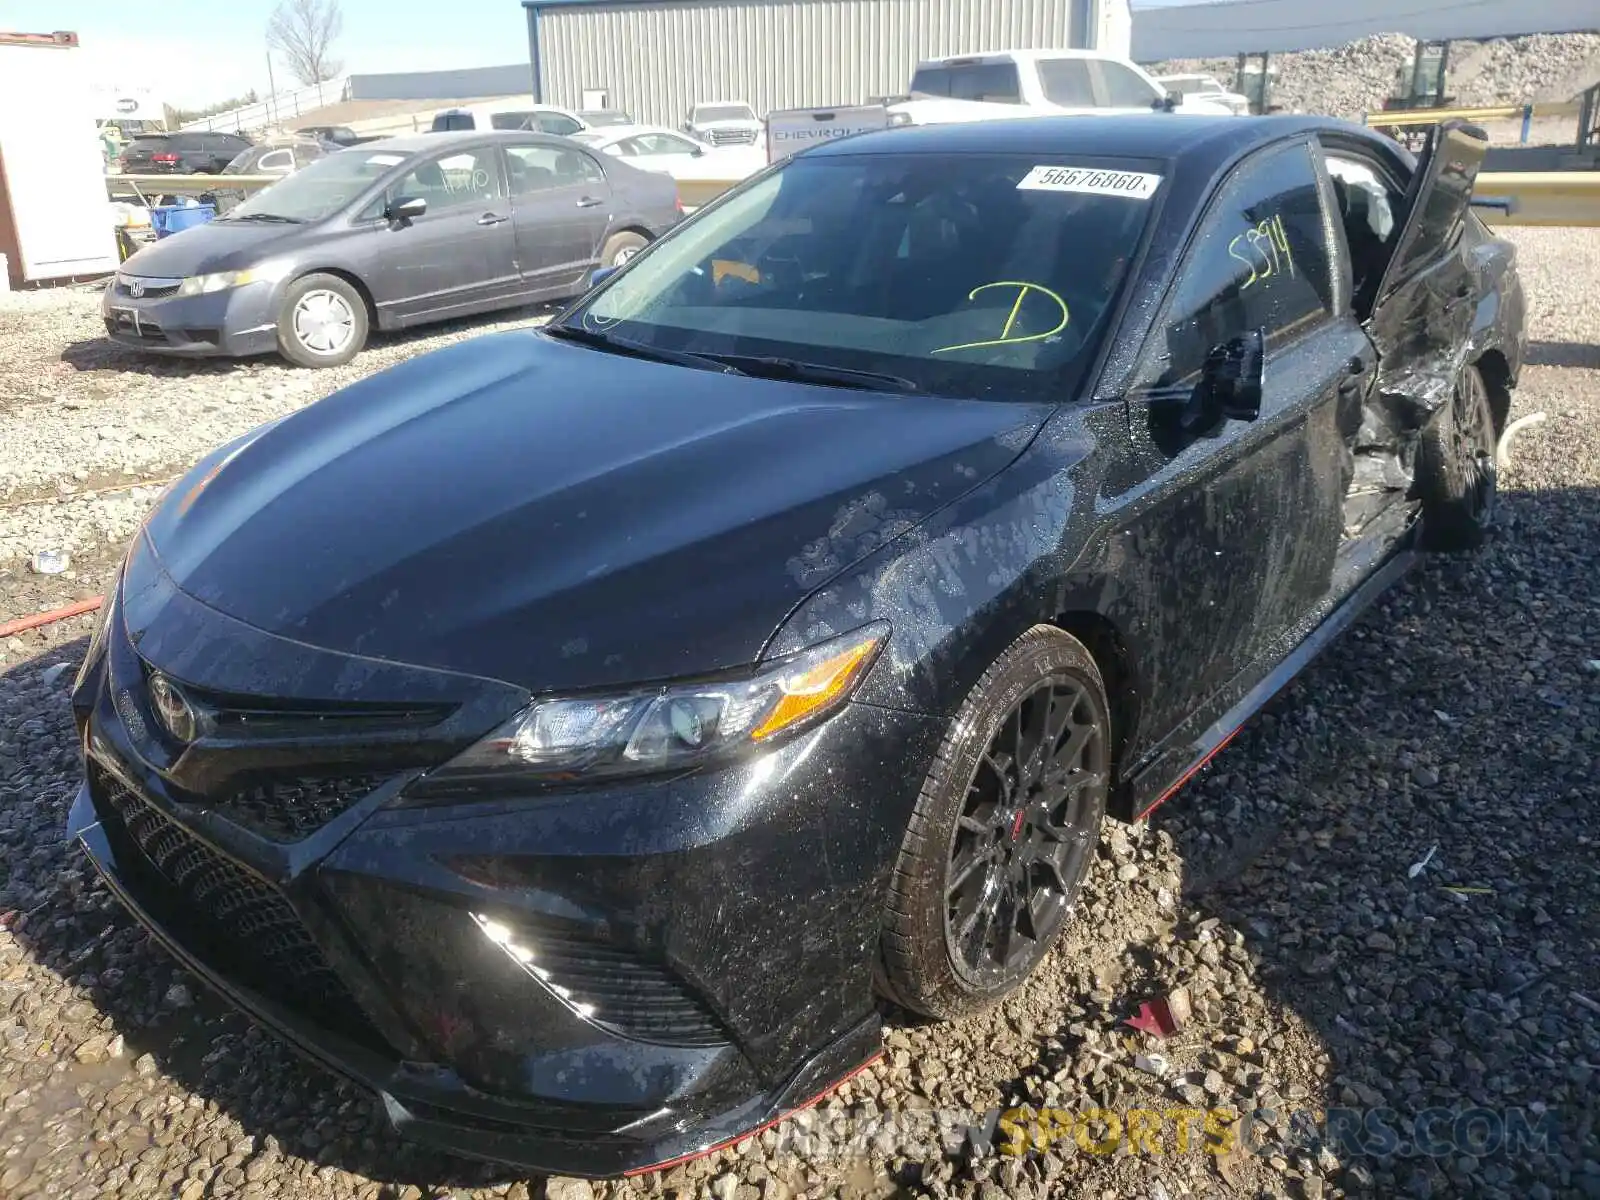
{"x": 387, "y": 235}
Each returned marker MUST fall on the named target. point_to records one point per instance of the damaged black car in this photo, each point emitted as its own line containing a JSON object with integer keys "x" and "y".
{"x": 578, "y": 735}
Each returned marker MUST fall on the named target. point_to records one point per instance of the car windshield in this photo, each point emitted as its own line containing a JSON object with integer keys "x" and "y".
{"x": 321, "y": 188}
{"x": 986, "y": 276}
{"x": 724, "y": 112}
{"x": 239, "y": 162}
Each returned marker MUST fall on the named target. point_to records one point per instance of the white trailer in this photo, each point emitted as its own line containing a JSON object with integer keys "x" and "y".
{"x": 54, "y": 223}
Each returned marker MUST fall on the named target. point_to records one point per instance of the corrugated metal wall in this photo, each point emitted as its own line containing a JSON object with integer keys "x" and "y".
{"x": 657, "y": 60}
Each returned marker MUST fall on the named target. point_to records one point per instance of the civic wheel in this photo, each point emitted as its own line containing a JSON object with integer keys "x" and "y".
{"x": 323, "y": 322}
{"x": 1456, "y": 468}
{"x": 620, "y": 247}
{"x": 1003, "y": 832}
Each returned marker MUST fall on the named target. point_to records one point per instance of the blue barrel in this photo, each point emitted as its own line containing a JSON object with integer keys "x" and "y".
{"x": 168, "y": 219}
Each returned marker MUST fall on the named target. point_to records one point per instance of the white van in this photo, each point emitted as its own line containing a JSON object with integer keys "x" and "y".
{"x": 509, "y": 114}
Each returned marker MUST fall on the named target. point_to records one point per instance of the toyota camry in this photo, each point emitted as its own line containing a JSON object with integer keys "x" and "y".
{"x": 579, "y": 735}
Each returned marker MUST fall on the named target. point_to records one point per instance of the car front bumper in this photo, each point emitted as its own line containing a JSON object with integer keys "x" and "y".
{"x": 233, "y": 323}
{"x": 695, "y": 953}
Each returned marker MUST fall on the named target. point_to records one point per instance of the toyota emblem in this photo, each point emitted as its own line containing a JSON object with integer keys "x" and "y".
{"x": 173, "y": 710}
{"x": 135, "y": 288}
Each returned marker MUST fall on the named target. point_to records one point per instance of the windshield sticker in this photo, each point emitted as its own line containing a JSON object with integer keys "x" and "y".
{"x": 1005, "y": 338}
{"x": 386, "y": 160}
{"x": 1137, "y": 184}
{"x": 1268, "y": 242}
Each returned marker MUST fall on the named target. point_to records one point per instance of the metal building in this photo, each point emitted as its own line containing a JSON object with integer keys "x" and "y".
{"x": 655, "y": 58}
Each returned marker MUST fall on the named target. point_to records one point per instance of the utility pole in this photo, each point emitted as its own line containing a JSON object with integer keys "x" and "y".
{"x": 272, "y": 90}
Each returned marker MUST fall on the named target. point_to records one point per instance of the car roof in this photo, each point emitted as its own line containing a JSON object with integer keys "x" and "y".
{"x": 416, "y": 143}
{"x": 615, "y": 133}
{"x": 1015, "y": 56}
{"x": 1137, "y": 135}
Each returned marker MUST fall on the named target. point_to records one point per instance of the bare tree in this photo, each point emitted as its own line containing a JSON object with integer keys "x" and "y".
{"x": 302, "y": 31}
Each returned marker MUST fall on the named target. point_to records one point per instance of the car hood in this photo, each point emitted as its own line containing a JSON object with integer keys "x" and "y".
{"x": 214, "y": 246}
{"x": 559, "y": 517}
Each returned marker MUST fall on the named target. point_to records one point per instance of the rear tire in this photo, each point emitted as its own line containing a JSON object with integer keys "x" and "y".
{"x": 1456, "y": 468}
{"x": 323, "y": 322}
{"x": 1003, "y": 833}
{"x": 620, "y": 247}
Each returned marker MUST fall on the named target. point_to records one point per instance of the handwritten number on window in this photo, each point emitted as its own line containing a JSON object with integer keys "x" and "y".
{"x": 1005, "y": 338}
{"x": 1264, "y": 249}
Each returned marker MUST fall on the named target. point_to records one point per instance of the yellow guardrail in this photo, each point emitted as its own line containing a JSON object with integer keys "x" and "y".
{"x": 1551, "y": 198}
{"x": 188, "y": 185}
{"x": 1493, "y": 112}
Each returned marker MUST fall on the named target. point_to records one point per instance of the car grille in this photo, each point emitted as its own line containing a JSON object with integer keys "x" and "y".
{"x": 733, "y": 137}
{"x": 149, "y": 289}
{"x": 225, "y": 909}
{"x": 145, "y": 330}
{"x": 289, "y": 810}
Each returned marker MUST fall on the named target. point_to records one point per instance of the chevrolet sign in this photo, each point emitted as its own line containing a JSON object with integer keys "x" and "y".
{"x": 792, "y": 130}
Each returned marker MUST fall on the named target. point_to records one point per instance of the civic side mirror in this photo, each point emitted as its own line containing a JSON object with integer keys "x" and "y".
{"x": 407, "y": 209}
{"x": 600, "y": 274}
{"x": 1234, "y": 375}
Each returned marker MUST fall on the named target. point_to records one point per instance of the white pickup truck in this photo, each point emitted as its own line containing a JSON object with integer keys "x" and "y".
{"x": 1032, "y": 83}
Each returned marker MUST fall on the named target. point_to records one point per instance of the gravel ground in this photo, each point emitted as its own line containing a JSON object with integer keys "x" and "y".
{"x": 1458, "y": 724}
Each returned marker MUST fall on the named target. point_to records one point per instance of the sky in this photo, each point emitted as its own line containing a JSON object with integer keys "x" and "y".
{"x": 200, "y": 51}
{"x": 196, "y": 52}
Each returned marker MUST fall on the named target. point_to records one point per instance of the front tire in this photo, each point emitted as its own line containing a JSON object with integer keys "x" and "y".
{"x": 1003, "y": 833}
{"x": 1456, "y": 468}
{"x": 323, "y": 322}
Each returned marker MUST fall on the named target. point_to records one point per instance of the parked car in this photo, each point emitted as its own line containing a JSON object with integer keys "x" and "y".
{"x": 279, "y": 156}
{"x": 339, "y": 135}
{"x": 540, "y": 118}
{"x": 724, "y": 123}
{"x": 403, "y": 231}
{"x": 652, "y": 148}
{"x": 182, "y": 153}
{"x": 1205, "y": 87}
{"x": 574, "y": 733}
{"x": 595, "y": 118}
{"x": 1030, "y": 83}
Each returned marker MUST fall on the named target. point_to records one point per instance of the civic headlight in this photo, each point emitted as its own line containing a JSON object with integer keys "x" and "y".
{"x": 199, "y": 285}
{"x": 662, "y": 728}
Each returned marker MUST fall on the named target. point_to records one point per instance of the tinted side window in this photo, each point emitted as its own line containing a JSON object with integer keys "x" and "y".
{"x": 556, "y": 123}
{"x": 1123, "y": 88}
{"x": 450, "y": 122}
{"x": 469, "y": 177}
{"x": 1444, "y": 203}
{"x": 994, "y": 82}
{"x": 536, "y": 168}
{"x": 1260, "y": 261}
{"x": 276, "y": 160}
{"x": 1065, "y": 81}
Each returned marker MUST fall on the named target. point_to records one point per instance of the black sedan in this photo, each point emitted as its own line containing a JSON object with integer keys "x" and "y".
{"x": 385, "y": 236}
{"x": 574, "y": 735}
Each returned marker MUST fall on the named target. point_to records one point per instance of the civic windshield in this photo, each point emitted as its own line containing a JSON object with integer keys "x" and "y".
{"x": 980, "y": 276}
{"x": 321, "y": 188}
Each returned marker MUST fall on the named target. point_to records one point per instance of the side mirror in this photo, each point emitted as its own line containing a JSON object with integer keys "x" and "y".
{"x": 407, "y": 209}
{"x": 698, "y": 152}
{"x": 600, "y": 274}
{"x": 1234, "y": 375}
{"x": 1168, "y": 103}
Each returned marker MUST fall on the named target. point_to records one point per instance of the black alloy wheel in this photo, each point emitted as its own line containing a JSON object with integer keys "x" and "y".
{"x": 1003, "y": 833}
{"x": 1456, "y": 471}
{"x": 1021, "y": 847}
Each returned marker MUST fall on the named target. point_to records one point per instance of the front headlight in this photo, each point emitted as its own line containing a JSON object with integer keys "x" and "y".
{"x": 664, "y": 728}
{"x": 97, "y": 636}
{"x": 199, "y": 285}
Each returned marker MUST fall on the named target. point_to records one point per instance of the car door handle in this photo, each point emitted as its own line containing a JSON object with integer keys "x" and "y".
{"x": 589, "y": 202}
{"x": 490, "y": 219}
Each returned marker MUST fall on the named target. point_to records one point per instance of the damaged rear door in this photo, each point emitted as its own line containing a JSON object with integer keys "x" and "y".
{"x": 1422, "y": 313}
